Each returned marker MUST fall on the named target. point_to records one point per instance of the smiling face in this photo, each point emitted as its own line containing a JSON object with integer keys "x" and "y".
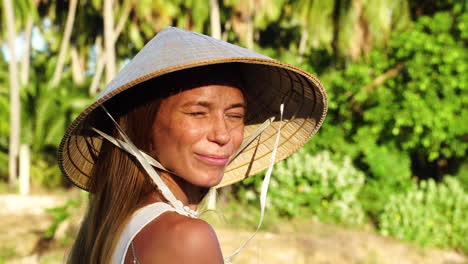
{"x": 197, "y": 131}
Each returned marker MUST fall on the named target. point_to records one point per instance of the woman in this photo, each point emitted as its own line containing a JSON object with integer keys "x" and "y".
{"x": 201, "y": 114}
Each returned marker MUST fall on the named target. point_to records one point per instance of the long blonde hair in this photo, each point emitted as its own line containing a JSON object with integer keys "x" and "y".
{"x": 119, "y": 185}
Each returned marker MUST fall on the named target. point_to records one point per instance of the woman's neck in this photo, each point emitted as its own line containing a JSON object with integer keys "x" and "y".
{"x": 189, "y": 194}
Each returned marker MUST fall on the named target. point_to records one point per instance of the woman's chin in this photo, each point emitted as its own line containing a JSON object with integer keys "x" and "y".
{"x": 208, "y": 180}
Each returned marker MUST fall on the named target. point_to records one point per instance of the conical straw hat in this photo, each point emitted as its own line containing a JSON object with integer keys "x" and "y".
{"x": 269, "y": 83}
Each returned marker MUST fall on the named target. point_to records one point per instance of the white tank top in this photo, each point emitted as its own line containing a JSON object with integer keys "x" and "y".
{"x": 138, "y": 221}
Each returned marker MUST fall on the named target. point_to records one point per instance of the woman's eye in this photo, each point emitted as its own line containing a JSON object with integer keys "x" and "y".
{"x": 197, "y": 113}
{"x": 236, "y": 116}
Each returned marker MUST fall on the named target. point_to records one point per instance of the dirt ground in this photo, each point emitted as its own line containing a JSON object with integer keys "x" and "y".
{"x": 23, "y": 221}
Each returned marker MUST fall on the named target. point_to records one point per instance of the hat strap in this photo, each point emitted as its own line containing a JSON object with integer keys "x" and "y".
{"x": 166, "y": 192}
{"x": 127, "y": 148}
{"x": 246, "y": 142}
{"x": 265, "y": 184}
{"x": 211, "y": 195}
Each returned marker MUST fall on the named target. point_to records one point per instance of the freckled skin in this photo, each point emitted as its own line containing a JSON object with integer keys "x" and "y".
{"x": 197, "y": 131}
{"x": 194, "y": 135}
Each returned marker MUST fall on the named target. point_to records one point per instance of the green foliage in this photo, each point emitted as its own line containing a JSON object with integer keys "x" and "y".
{"x": 46, "y": 111}
{"x": 434, "y": 112}
{"x": 6, "y": 253}
{"x": 395, "y": 114}
{"x": 45, "y": 172}
{"x": 413, "y": 97}
{"x": 391, "y": 173}
{"x": 382, "y": 160}
{"x": 399, "y": 107}
{"x": 60, "y": 214}
{"x": 396, "y": 108}
{"x": 429, "y": 213}
{"x": 3, "y": 164}
{"x": 462, "y": 175}
{"x": 318, "y": 183}
{"x": 4, "y": 115}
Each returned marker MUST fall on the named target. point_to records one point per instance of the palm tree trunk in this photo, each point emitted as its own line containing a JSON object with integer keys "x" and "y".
{"x": 78, "y": 74}
{"x": 336, "y": 18}
{"x": 303, "y": 41}
{"x": 227, "y": 28}
{"x": 109, "y": 40}
{"x": 65, "y": 41}
{"x": 215, "y": 20}
{"x": 24, "y": 151}
{"x": 24, "y": 169}
{"x": 250, "y": 31}
{"x": 13, "y": 147}
{"x": 360, "y": 40}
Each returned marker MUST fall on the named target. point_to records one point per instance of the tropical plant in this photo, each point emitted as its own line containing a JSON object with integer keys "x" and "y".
{"x": 325, "y": 186}
{"x": 429, "y": 213}
{"x": 402, "y": 112}
{"x": 42, "y": 125}
{"x": 348, "y": 28}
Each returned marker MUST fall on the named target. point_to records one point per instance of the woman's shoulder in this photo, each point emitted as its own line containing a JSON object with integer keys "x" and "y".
{"x": 172, "y": 224}
{"x": 174, "y": 238}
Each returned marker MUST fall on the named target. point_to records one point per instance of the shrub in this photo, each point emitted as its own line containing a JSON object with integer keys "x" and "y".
{"x": 410, "y": 98}
{"x": 390, "y": 174}
{"x": 402, "y": 111}
{"x": 429, "y": 213}
{"x": 318, "y": 183}
{"x": 462, "y": 175}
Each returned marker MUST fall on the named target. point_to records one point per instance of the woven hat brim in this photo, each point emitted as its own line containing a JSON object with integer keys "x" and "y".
{"x": 269, "y": 83}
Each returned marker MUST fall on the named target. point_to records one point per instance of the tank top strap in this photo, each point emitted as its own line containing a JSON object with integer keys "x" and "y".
{"x": 138, "y": 221}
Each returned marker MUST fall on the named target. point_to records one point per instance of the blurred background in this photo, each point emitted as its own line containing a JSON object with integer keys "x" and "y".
{"x": 384, "y": 181}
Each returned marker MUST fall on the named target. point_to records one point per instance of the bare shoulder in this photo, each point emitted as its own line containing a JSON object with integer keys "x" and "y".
{"x": 174, "y": 238}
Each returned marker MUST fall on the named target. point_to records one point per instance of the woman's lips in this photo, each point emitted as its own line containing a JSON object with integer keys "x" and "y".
{"x": 212, "y": 159}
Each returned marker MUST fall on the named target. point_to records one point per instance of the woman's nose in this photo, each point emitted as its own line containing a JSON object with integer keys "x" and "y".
{"x": 219, "y": 133}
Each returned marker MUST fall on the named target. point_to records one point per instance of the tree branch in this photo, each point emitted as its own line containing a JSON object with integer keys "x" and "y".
{"x": 127, "y": 7}
{"x": 379, "y": 80}
{"x": 393, "y": 72}
{"x": 64, "y": 45}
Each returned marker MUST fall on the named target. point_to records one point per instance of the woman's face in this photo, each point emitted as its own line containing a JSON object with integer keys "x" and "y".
{"x": 197, "y": 131}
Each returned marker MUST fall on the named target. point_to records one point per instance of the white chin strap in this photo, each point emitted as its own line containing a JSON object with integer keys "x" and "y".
{"x": 147, "y": 162}
{"x": 264, "y": 191}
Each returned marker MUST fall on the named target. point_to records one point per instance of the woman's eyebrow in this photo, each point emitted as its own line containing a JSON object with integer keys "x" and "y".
{"x": 238, "y": 105}
{"x": 196, "y": 103}
{"x": 208, "y": 104}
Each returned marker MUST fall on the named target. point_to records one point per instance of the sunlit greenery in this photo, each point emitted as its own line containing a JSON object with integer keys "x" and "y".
{"x": 431, "y": 214}
{"x": 395, "y": 72}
